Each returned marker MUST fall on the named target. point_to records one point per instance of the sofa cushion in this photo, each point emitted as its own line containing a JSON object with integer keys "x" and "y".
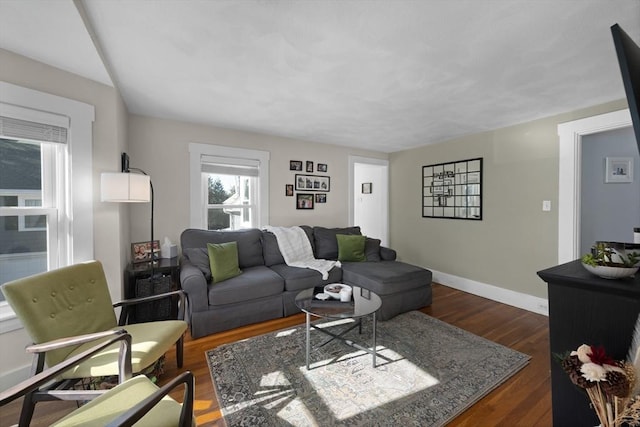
{"x": 271, "y": 250}
{"x": 296, "y": 278}
{"x": 351, "y": 247}
{"x": 249, "y": 243}
{"x": 200, "y": 258}
{"x": 223, "y": 258}
{"x": 326, "y": 244}
{"x": 253, "y": 283}
{"x": 385, "y": 277}
{"x": 372, "y": 249}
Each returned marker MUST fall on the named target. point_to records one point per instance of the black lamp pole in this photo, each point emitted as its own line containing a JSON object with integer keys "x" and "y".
{"x": 127, "y": 169}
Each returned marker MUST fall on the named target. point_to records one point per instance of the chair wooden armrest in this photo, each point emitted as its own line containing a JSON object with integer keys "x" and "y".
{"x": 143, "y": 407}
{"x": 44, "y": 377}
{"x": 133, "y": 301}
{"x": 69, "y": 341}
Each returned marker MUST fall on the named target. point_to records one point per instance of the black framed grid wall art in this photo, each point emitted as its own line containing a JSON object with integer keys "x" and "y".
{"x": 453, "y": 190}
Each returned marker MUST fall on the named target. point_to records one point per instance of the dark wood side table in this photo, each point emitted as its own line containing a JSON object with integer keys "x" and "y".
{"x": 138, "y": 283}
{"x": 585, "y": 309}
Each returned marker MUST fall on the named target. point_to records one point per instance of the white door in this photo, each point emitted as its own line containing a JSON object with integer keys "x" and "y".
{"x": 369, "y": 196}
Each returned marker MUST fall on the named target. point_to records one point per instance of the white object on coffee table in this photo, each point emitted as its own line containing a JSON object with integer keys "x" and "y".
{"x": 333, "y": 289}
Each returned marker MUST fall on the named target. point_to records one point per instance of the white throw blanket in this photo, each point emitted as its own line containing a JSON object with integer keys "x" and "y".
{"x": 296, "y": 250}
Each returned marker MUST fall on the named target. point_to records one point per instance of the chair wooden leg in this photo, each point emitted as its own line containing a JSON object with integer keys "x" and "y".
{"x": 28, "y": 406}
{"x": 179, "y": 351}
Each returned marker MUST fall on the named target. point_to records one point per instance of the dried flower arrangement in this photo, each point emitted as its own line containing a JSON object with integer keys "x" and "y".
{"x": 613, "y": 386}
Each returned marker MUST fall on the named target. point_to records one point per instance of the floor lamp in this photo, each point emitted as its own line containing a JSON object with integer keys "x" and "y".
{"x": 127, "y": 187}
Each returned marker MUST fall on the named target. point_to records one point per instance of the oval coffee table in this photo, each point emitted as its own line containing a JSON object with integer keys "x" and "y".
{"x": 364, "y": 303}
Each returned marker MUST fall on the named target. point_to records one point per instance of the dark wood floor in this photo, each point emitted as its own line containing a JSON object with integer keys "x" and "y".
{"x": 524, "y": 400}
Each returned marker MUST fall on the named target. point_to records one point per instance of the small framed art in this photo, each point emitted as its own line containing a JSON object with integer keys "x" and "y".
{"x": 313, "y": 183}
{"x": 141, "y": 251}
{"x": 295, "y": 165}
{"x": 366, "y": 187}
{"x": 322, "y": 167}
{"x": 619, "y": 170}
{"x": 321, "y": 198}
{"x": 304, "y": 201}
{"x": 288, "y": 190}
{"x": 309, "y": 166}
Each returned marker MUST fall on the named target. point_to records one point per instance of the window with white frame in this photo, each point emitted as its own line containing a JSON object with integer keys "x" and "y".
{"x": 32, "y": 209}
{"x": 41, "y": 207}
{"x": 229, "y": 187}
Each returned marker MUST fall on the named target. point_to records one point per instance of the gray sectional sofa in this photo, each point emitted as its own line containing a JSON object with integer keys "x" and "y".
{"x": 267, "y": 287}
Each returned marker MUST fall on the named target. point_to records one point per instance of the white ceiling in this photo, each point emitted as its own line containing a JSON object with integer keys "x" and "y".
{"x": 384, "y": 75}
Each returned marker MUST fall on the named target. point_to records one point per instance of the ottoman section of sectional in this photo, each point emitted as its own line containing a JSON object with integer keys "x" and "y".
{"x": 402, "y": 287}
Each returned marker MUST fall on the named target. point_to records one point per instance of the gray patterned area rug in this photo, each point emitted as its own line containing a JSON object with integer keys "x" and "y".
{"x": 427, "y": 373}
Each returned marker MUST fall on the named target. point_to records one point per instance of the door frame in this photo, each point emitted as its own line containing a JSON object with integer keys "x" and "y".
{"x": 353, "y": 160}
{"x": 570, "y": 154}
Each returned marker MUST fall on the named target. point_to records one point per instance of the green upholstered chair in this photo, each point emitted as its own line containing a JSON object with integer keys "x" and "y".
{"x": 64, "y": 303}
{"x": 136, "y": 400}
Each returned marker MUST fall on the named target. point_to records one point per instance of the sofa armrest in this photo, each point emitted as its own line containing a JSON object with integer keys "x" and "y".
{"x": 387, "y": 254}
{"x": 194, "y": 285}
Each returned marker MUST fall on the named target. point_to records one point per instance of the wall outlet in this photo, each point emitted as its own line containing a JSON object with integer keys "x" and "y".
{"x": 546, "y": 205}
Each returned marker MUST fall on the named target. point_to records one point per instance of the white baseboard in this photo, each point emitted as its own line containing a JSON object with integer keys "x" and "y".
{"x": 495, "y": 293}
{"x": 11, "y": 378}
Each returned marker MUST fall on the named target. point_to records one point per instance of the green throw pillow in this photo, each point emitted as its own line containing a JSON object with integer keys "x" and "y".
{"x": 223, "y": 258}
{"x": 351, "y": 247}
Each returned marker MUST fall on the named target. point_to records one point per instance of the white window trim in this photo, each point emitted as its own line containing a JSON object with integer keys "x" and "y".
{"x": 198, "y": 202}
{"x": 29, "y": 104}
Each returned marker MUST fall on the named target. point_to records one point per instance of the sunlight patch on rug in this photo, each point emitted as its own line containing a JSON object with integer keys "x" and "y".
{"x": 394, "y": 378}
{"x": 427, "y": 373}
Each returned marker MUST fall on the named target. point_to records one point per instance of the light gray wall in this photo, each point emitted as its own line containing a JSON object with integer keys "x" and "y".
{"x": 161, "y": 148}
{"x": 609, "y": 211}
{"x": 515, "y": 238}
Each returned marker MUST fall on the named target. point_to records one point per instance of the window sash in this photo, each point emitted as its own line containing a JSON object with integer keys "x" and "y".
{"x": 248, "y": 206}
{"x": 53, "y": 200}
{"x": 206, "y": 159}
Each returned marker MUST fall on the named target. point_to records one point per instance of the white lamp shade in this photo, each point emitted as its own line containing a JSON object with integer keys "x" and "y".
{"x": 125, "y": 187}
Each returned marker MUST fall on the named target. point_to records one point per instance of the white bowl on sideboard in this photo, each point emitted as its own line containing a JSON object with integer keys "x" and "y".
{"x": 611, "y": 272}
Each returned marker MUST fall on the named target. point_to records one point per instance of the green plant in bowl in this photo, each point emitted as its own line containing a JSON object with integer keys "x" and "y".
{"x": 611, "y": 261}
{"x": 602, "y": 254}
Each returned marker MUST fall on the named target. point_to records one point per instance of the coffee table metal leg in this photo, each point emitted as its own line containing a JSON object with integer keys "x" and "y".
{"x": 308, "y": 338}
{"x": 374, "y": 340}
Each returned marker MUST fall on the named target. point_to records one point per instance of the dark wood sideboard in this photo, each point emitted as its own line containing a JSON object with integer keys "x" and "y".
{"x": 585, "y": 309}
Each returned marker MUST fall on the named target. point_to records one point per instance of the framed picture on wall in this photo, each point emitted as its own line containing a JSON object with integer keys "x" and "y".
{"x": 295, "y": 165}
{"x": 366, "y": 187}
{"x": 309, "y": 166}
{"x": 322, "y": 167}
{"x": 288, "y": 190}
{"x": 304, "y": 201}
{"x": 313, "y": 183}
{"x": 618, "y": 170}
{"x": 321, "y": 198}
{"x": 453, "y": 190}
